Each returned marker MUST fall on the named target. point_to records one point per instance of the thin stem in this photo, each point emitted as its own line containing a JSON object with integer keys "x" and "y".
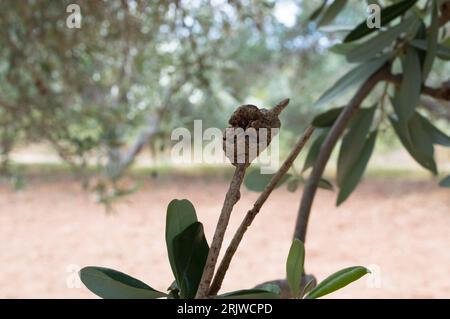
{"x": 280, "y": 107}
{"x": 231, "y": 198}
{"x": 330, "y": 141}
{"x": 382, "y": 105}
{"x": 440, "y": 93}
{"x": 251, "y": 214}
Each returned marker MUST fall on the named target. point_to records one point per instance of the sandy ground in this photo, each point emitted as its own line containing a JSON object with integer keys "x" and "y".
{"x": 399, "y": 229}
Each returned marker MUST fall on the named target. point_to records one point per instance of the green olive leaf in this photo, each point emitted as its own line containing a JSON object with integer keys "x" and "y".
{"x": 386, "y": 15}
{"x": 112, "y": 284}
{"x": 337, "y": 281}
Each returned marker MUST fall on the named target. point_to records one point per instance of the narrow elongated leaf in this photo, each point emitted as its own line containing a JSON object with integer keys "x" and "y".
{"x": 343, "y": 48}
{"x": 408, "y": 95}
{"x": 308, "y": 287}
{"x": 446, "y": 43}
{"x": 353, "y": 143}
{"x": 190, "y": 253}
{"x": 352, "y": 178}
{"x": 331, "y": 12}
{"x": 432, "y": 42}
{"x": 318, "y": 11}
{"x": 445, "y": 182}
{"x": 294, "y": 267}
{"x": 442, "y": 52}
{"x": 421, "y": 36}
{"x": 250, "y": 294}
{"x": 421, "y": 139}
{"x": 180, "y": 215}
{"x": 327, "y": 118}
{"x": 436, "y": 134}
{"x": 325, "y": 184}
{"x": 373, "y": 46}
{"x": 315, "y": 149}
{"x": 357, "y": 75}
{"x": 419, "y": 144}
{"x": 256, "y": 181}
{"x": 334, "y": 28}
{"x": 270, "y": 288}
{"x": 337, "y": 281}
{"x": 112, "y": 284}
{"x": 386, "y": 15}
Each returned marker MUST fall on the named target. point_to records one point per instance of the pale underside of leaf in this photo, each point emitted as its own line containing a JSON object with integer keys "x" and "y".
{"x": 384, "y": 39}
{"x": 357, "y": 75}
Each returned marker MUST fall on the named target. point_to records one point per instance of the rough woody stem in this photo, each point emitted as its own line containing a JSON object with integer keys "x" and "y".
{"x": 231, "y": 198}
{"x": 280, "y": 107}
{"x": 440, "y": 93}
{"x": 251, "y": 214}
{"x": 337, "y": 129}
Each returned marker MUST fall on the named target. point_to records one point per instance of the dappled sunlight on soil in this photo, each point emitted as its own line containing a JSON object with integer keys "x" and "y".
{"x": 400, "y": 229}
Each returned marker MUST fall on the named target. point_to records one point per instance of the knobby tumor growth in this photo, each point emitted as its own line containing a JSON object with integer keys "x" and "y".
{"x": 249, "y": 133}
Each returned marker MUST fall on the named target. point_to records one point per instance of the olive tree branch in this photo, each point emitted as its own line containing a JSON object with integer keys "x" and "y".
{"x": 440, "y": 93}
{"x": 330, "y": 141}
{"x": 251, "y": 214}
{"x": 231, "y": 198}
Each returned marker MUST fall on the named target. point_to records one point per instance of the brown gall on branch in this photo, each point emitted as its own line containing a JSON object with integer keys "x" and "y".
{"x": 251, "y": 214}
{"x": 250, "y": 132}
{"x": 246, "y": 117}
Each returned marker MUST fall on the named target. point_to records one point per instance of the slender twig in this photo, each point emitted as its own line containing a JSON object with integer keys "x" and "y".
{"x": 445, "y": 14}
{"x": 440, "y": 93}
{"x": 327, "y": 147}
{"x": 280, "y": 107}
{"x": 436, "y": 108}
{"x": 251, "y": 214}
{"x": 383, "y": 97}
{"x": 231, "y": 198}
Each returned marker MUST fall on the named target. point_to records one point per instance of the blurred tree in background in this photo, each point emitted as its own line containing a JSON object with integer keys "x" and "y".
{"x": 135, "y": 70}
